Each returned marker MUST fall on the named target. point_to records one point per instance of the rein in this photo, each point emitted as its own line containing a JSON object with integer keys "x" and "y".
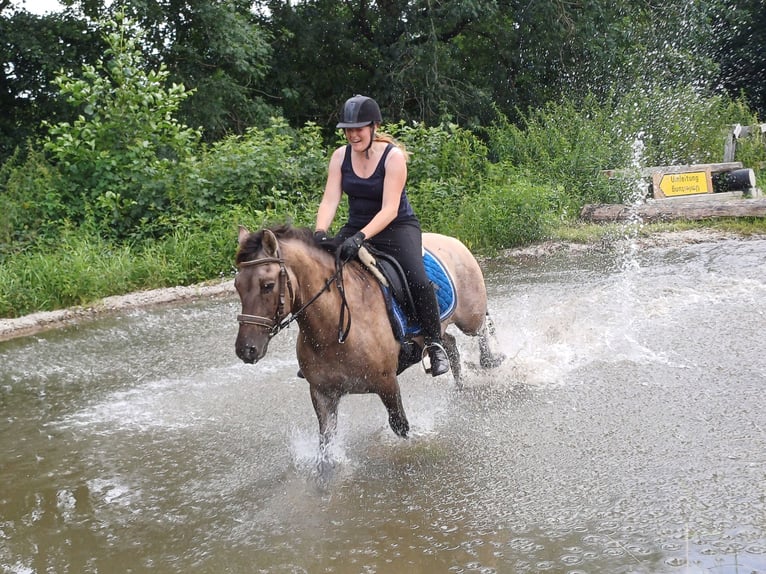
{"x": 281, "y": 318}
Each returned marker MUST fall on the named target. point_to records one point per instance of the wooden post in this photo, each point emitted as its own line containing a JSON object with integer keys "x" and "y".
{"x": 737, "y": 131}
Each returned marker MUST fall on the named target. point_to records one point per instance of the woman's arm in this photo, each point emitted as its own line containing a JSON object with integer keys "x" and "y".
{"x": 332, "y": 192}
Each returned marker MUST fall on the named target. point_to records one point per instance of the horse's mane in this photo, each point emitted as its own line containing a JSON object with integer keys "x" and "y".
{"x": 285, "y": 231}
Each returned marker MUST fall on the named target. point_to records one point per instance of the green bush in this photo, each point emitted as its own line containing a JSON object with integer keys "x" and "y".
{"x": 441, "y": 153}
{"x": 79, "y": 269}
{"x": 565, "y": 144}
{"x": 676, "y": 125}
{"x": 511, "y": 209}
{"x": 31, "y": 207}
{"x": 122, "y": 153}
{"x": 570, "y": 143}
{"x": 116, "y": 206}
{"x": 276, "y": 168}
{"x": 84, "y": 267}
{"x": 437, "y": 202}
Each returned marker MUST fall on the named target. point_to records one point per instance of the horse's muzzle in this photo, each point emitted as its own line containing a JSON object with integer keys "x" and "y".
{"x": 250, "y": 350}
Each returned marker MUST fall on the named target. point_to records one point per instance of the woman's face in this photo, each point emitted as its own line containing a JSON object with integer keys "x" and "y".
{"x": 359, "y": 138}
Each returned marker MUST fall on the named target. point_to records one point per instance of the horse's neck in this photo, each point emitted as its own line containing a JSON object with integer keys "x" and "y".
{"x": 311, "y": 274}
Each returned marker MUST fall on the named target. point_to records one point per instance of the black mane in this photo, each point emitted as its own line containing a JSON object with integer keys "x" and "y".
{"x": 285, "y": 231}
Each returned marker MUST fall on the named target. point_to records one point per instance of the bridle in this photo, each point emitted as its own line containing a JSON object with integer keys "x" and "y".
{"x": 283, "y": 318}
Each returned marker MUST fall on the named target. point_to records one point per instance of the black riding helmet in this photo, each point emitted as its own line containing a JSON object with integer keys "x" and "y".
{"x": 358, "y": 112}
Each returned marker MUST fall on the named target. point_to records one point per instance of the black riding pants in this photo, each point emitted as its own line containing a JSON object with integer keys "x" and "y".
{"x": 404, "y": 242}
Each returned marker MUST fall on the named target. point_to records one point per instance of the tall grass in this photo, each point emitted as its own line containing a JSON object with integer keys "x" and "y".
{"x": 84, "y": 268}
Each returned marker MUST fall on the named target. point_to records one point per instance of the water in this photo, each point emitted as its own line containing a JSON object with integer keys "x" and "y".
{"x": 625, "y": 434}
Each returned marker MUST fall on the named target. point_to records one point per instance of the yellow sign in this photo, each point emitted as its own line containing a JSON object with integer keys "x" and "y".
{"x": 690, "y": 183}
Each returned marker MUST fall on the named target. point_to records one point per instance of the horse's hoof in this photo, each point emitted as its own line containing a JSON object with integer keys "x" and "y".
{"x": 401, "y": 428}
{"x": 492, "y": 362}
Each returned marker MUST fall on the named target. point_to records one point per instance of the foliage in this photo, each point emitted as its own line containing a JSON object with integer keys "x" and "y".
{"x": 275, "y": 168}
{"x": 446, "y": 164}
{"x": 440, "y": 152}
{"x": 31, "y": 209}
{"x": 566, "y": 144}
{"x": 464, "y": 61}
{"x": 78, "y": 269}
{"x": 571, "y": 144}
{"x": 119, "y": 156}
{"x": 214, "y": 49}
{"x": 678, "y": 125}
{"x": 83, "y": 267}
{"x": 124, "y": 196}
{"x": 510, "y": 209}
{"x": 424, "y": 61}
{"x": 33, "y": 49}
{"x": 740, "y": 50}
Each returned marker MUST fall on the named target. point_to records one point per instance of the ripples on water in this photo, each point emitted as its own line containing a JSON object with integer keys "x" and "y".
{"x": 625, "y": 434}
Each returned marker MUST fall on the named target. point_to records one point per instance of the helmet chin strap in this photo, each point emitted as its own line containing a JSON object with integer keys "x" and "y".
{"x": 372, "y": 139}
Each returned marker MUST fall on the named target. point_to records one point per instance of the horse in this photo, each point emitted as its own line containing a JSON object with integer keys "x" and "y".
{"x": 345, "y": 343}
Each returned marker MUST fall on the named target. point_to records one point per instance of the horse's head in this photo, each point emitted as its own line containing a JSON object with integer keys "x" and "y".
{"x": 265, "y": 290}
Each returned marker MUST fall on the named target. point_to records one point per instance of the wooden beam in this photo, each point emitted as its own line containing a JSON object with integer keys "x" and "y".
{"x": 675, "y": 209}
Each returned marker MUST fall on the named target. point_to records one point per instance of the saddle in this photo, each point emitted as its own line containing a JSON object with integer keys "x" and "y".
{"x": 399, "y": 302}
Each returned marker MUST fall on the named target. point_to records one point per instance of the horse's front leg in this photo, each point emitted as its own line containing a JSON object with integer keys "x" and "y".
{"x": 392, "y": 399}
{"x": 326, "y": 408}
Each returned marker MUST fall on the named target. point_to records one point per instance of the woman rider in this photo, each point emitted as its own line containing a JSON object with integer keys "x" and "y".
{"x": 372, "y": 171}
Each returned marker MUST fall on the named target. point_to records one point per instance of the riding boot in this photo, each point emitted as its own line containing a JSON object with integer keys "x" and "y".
{"x": 428, "y": 310}
{"x": 438, "y": 357}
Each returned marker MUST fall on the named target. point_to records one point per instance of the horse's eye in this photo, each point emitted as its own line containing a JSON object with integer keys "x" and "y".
{"x": 267, "y": 287}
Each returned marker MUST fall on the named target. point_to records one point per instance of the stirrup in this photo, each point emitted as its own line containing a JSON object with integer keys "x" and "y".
{"x": 425, "y": 352}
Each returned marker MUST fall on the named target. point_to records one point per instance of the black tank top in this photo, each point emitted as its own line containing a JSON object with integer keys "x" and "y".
{"x": 365, "y": 195}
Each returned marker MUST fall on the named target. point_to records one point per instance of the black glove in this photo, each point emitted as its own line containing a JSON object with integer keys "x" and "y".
{"x": 326, "y": 242}
{"x": 350, "y": 247}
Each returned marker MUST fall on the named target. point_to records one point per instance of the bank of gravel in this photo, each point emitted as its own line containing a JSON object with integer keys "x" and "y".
{"x": 42, "y": 321}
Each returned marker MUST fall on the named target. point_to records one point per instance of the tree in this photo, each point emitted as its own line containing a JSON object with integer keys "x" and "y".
{"x": 740, "y": 33}
{"x": 215, "y": 49}
{"x": 33, "y": 49}
{"x": 406, "y": 54}
{"x": 434, "y": 59}
{"x": 121, "y": 153}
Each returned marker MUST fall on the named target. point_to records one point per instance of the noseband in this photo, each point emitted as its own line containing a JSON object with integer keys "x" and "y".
{"x": 281, "y": 318}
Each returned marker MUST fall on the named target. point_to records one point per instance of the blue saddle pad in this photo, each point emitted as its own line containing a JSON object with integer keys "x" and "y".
{"x": 446, "y": 296}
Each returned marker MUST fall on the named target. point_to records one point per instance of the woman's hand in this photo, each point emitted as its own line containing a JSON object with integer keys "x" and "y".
{"x": 350, "y": 247}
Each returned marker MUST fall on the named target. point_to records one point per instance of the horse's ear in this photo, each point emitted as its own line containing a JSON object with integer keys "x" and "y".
{"x": 270, "y": 244}
{"x": 243, "y": 235}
